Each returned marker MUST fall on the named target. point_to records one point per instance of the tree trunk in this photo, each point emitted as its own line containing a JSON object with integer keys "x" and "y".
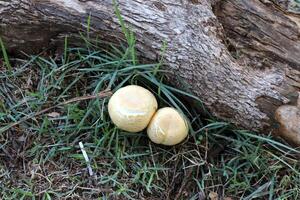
{"x": 242, "y": 58}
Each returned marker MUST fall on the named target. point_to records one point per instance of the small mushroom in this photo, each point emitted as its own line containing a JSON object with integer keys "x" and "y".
{"x": 288, "y": 117}
{"x": 167, "y": 127}
{"x": 131, "y": 108}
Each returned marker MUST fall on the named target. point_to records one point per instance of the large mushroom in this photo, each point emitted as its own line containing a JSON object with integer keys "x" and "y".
{"x": 132, "y": 107}
{"x": 168, "y": 127}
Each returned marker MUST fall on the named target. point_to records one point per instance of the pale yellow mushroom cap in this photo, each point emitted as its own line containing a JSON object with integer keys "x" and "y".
{"x": 132, "y": 107}
{"x": 167, "y": 127}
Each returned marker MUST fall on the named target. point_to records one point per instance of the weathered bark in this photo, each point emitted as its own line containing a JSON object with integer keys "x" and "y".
{"x": 242, "y": 58}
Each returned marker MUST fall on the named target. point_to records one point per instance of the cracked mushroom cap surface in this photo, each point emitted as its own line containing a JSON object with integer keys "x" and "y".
{"x": 168, "y": 127}
{"x": 132, "y": 107}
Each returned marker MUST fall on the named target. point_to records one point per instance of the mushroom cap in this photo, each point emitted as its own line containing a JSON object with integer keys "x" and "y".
{"x": 168, "y": 127}
{"x": 131, "y": 108}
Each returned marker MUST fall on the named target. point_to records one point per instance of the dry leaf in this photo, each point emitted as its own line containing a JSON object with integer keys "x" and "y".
{"x": 53, "y": 114}
{"x": 213, "y": 196}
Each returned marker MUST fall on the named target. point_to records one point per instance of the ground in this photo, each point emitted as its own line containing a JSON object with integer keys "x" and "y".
{"x": 51, "y": 102}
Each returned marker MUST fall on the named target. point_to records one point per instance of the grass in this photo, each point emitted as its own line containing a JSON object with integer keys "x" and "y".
{"x": 5, "y": 56}
{"x": 50, "y": 104}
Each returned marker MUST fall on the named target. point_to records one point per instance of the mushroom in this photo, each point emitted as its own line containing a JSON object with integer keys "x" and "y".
{"x": 288, "y": 117}
{"x": 131, "y": 108}
{"x": 168, "y": 127}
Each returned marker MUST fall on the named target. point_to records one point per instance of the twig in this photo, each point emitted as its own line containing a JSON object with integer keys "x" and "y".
{"x": 86, "y": 158}
{"x": 102, "y": 94}
{"x": 96, "y": 189}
